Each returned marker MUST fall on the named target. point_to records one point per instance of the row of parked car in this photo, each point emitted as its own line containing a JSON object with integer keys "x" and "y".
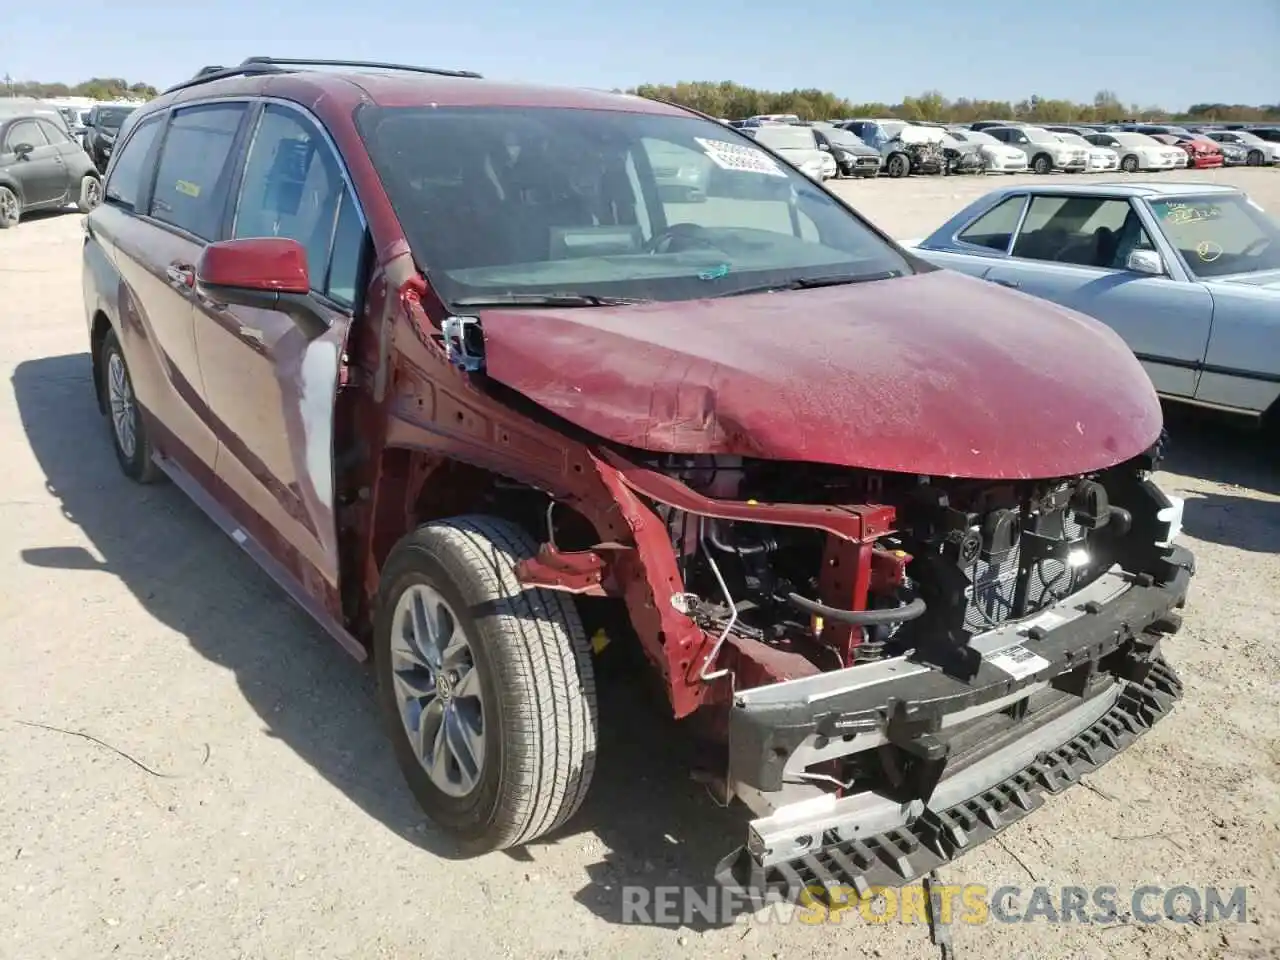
{"x": 898, "y": 148}
{"x": 53, "y": 155}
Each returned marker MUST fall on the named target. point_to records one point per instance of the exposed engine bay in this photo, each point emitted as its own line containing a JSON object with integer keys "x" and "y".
{"x": 964, "y": 556}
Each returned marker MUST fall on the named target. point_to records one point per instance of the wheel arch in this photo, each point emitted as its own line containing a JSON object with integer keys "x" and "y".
{"x": 100, "y": 326}
{"x": 416, "y": 486}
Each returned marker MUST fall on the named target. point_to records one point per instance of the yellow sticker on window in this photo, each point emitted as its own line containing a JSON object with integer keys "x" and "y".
{"x": 187, "y": 187}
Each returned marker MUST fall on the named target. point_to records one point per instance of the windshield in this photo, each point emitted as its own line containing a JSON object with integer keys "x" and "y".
{"x": 840, "y": 137}
{"x": 1074, "y": 139}
{"x": 786, "y": 138}
{"x": 977, "y": 136}
{"x": 892, "y": 128}
{"x": 505, "y": 204}
{"x": 1040, "y": 135}
{"x": 1218, "y": 236}
{"x": 112, "y": 116}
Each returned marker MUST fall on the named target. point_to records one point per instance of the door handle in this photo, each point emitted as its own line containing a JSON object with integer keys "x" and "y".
{"x": 181, "y": 273}
{"x": 1011, "y": 284}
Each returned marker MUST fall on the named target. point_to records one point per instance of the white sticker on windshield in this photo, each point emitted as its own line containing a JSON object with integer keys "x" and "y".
{"x": 1017, "y": 661}
{"x": 732, "y": 156}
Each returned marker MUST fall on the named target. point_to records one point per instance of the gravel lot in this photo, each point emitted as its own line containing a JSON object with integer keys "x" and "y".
{"x": 273, "y": 823}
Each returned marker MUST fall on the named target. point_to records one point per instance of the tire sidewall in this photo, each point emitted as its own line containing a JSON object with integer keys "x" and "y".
{"x": 89, "y": 183}
{"x": 1042, "y": 165}
{"x": 134, "y": 467}
{"x": 1129, "y": 164}
{"x": 468, "y": 818}
{"x": 17, "y": 206}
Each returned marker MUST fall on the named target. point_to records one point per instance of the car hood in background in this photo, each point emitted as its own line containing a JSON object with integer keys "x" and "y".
{"x": 936, "y": 373}
{"x": 801, "y": 156}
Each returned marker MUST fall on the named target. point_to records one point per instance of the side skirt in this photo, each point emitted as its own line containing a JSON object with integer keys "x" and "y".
{"x": 215, "y": 512}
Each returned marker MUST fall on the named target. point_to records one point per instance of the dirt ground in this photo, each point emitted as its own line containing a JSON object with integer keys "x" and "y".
{"x": 262, "y": 815}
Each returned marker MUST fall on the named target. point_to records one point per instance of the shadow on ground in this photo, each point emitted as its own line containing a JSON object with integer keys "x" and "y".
{"x": 656, "y": 825}
{"x": 1212, "y": 447}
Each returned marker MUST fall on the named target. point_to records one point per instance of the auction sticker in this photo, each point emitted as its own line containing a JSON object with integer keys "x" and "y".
{"x": 1017, "y": 661}
{"x": 732, "y": 156}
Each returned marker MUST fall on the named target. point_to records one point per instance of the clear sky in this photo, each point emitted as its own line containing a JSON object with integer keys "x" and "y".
{"x": 1170, "y": 52}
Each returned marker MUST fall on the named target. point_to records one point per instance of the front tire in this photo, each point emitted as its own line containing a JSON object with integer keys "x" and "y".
{"x": 486, "y": 686}
{"x": 1129, "y": 164}
{"x": 129, "y": 434}
{"x": 1255, "y": 158}
{"x": 898, "y": 166}
{"x": 1042, "y": 164}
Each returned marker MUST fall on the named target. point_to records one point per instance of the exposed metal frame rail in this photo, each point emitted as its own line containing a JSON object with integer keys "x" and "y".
{"x": 254, "y": 66}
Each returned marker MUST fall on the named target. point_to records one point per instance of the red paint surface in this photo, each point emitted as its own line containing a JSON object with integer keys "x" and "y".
{"x": 257, "y": 263}
{"x": 935, "y": 374}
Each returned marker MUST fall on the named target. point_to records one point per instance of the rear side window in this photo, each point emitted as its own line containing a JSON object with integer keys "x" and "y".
{"x": 194, "y": 171}
{"x": 52, "y": 133}
{"x": 125, "y": 182}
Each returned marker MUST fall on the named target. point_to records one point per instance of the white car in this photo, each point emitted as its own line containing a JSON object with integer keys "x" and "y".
{"x": 1137, "y": 151}
{"x": 1000, "y": 157}
{"x": 796, "y": 145}
{"x": 1044, "y": 151}
{"x": 1100, "y": 159}
{"x": 1260, "y": 152}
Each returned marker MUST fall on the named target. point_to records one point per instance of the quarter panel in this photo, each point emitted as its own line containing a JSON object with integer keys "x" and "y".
{"x": 1242, "y": 366}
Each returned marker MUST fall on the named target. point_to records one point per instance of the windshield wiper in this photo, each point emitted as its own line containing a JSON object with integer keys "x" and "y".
{"x": 810, "y": 283}
{"x": 546, "y": 300}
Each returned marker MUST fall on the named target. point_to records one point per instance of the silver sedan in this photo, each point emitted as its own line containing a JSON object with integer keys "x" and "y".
{"x": 1188, "y": 274}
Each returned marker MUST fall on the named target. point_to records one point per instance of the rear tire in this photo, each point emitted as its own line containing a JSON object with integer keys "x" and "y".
{"x": 90, "y": 193}
{"x": 517, "y": 758}
{"x": 129, "y": 435}
{"x": 10, "y": 208}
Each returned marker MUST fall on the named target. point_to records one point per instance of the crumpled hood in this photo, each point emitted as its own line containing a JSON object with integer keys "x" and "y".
{"x": 937, "y": 373}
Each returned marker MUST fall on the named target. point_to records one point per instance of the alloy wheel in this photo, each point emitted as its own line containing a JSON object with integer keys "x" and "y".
{"x": 437, "y": 687}
{"x": 8, "y": 206}
{"x": 124, "y": 411}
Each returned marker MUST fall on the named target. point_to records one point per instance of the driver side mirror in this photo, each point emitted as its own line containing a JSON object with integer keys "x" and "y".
{"x": 267, "y": 273}
{"x": 22, "y": 150}
{"x": 1145, "y": 261}
{"x": 825, "y": 147}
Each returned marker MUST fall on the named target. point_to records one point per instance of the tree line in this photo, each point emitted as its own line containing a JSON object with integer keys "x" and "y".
{"x": 99, "y": 88}
{"x": 733, "y": 101}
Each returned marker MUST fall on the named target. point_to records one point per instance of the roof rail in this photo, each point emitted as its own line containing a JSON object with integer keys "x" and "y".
{"x": 253, "y": 66}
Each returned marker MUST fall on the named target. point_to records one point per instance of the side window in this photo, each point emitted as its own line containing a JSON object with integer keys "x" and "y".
{"x": 193, "y": 172}
{"x": 24, "y": 131}
{"x": 1084, "y": 231}
{"x": 995, "y": 227}
{"x": 342, "y": 284}
{"x": 52, "y": 133}
{"x": 293, "y": 188}
{"x": 125, "y": 182}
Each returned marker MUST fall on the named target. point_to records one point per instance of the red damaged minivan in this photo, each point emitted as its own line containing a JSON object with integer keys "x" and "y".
{"x": 473, "y": 375}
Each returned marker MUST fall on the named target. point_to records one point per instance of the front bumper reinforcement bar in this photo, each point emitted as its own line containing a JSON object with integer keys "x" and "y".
{"x": 936, "y": 837}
